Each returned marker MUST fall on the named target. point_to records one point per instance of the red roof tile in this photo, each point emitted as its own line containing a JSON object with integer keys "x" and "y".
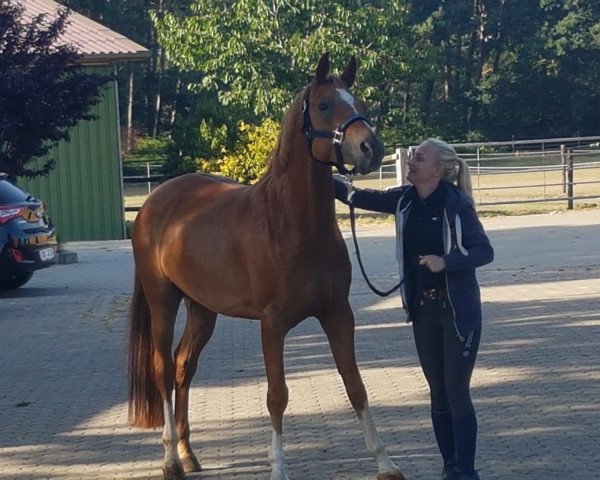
{"x": 97, "y": 43}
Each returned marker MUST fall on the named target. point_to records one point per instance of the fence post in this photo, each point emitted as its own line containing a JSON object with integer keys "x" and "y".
{"x": 563, "y": 164}
{"x": 569, "y": 179}
{"x": 479, "y": 173}
{"x": 401, "y": 170}
{"x": 148, "y": 177}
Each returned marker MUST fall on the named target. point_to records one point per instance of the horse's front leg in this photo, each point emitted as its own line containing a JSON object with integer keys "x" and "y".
{"x": 273, "y": 336}
{"x": 338, "y": 324}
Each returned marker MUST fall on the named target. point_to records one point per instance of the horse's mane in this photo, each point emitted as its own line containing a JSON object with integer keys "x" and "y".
{"x": 290, "y": 126}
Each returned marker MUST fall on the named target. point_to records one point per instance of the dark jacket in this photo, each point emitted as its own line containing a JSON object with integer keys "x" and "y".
{"x": 466, "y": 245}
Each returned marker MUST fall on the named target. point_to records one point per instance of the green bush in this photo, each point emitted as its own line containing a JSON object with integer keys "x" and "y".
{"x": 143, "y": 150}
{"x": 148, "y": 149}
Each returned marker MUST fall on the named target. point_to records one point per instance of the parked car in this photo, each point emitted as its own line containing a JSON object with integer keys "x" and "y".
{"x": 27, "y": 237}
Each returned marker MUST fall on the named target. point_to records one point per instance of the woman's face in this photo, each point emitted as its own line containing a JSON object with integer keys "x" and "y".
{"x": 422, "y": 166}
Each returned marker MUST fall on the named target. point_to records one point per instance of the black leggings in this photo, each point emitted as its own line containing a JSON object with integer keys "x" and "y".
{"x": 446, "y": 361}
{"x": 448, "y": 364}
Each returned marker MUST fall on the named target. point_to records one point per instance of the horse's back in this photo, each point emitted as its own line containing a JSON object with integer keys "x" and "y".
{"x": 180, "y": 198}
{"x": 192, "y": 188}
{"x": 189, "y": 233}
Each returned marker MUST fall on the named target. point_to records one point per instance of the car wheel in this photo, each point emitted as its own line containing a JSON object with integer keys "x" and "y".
{"x": 14, "y": 280}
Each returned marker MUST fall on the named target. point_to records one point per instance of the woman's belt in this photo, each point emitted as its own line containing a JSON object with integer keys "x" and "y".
{"x": 435, "y": 294}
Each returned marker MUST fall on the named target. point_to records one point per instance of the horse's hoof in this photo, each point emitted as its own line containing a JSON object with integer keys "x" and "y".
{"x": 191, "y": 464}
{"x": 279, "y": 474}
{"x": 173, "y": 472}
{"x": 390, "y": 476}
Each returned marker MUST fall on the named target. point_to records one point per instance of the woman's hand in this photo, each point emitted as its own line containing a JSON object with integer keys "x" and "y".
{"x": 434, "y": 263}
{"x": 343, "y": 190}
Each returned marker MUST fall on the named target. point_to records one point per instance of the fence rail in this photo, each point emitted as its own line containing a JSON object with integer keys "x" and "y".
{"x": 565, "y": 169}
{"x": 568, "y": 171}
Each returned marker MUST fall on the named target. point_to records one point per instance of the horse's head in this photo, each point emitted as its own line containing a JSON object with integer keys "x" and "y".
{"x": 333, "y": 121}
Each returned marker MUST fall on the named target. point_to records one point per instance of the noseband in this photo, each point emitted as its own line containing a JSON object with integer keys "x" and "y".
{"x": 337, "y": 136}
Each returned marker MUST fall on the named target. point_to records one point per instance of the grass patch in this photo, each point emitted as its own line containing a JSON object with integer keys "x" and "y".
{"x": 532, "y": 209}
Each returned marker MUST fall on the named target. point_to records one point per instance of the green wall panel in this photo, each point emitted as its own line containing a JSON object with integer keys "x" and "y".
{"x": 84, "y": 193}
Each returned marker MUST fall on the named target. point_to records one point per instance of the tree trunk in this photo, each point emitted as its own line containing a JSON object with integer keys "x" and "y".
{"x": 129, "y": 131}
{"x": 176, "y": 101}
{"x": 382, "y": 106}
{"x": 427, "y": 101}
{"x": 159, "y": 70}
{"x": 157, "y": 102}
{"x": 406, "y": 100}
{"x": 480, "y": 12}
{"x": 447, "y": 72}
{"x": 479, "y": 51}
{"x": 499, "y": 37}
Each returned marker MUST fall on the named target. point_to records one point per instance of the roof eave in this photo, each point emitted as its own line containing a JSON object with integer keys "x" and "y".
{"x": 104, "y": 58}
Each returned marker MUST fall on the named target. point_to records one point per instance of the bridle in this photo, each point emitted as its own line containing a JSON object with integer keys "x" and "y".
{"x": 337, "y": 136}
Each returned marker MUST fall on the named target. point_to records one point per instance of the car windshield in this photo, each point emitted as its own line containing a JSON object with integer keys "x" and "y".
{"x": 10, "y": 194}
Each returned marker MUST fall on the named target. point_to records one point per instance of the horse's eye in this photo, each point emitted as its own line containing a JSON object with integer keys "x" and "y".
{"x": 323, "y": 106}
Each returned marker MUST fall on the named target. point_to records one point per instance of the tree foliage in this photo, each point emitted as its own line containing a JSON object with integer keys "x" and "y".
{"x": 43, "y": 89}
{"x": 256, "y": 54}
{"x": 460, "y": 70}
{"x": 500, "y": 76}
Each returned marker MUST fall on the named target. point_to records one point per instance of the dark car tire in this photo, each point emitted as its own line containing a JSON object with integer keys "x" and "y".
{"x": 14, "y": 280}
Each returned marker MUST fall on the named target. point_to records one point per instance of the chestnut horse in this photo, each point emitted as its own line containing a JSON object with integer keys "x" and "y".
{"x": 271, "y": 251}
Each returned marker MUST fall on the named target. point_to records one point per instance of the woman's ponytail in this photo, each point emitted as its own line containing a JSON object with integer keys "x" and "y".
{"x": 463, "y": 179}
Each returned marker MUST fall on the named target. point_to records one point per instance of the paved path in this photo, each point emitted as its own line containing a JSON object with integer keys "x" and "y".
{"x": 537, "y": 385}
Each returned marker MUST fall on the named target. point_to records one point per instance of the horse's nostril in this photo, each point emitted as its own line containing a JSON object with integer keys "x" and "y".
{"x": 366, "y": 149}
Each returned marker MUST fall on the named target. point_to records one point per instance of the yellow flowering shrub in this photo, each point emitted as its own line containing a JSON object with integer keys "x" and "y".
{"x": 250, "y": 159}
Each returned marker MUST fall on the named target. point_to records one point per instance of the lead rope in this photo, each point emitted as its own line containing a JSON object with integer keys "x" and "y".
{"x": 358, "y": 257}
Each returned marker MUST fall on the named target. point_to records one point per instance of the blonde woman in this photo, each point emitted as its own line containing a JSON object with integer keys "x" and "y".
{"x": 440, "y": 243}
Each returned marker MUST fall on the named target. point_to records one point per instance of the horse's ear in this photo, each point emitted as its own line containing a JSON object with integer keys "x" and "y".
{"x": 322, "y": 68}
{"x": 349, "y": 74}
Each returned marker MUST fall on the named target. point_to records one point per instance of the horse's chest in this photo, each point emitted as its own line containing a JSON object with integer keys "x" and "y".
{"x": 312, "y": 280}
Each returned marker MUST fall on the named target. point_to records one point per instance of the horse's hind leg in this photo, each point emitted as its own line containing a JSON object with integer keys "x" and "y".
{"x": 339, "y": 328}
{"x": 164, "y": 314}
{"x": 198, "y": 330}
{"x": 164, "y": 300}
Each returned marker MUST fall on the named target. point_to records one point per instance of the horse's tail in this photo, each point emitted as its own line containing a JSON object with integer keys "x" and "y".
{"x": 145, "y": 402}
